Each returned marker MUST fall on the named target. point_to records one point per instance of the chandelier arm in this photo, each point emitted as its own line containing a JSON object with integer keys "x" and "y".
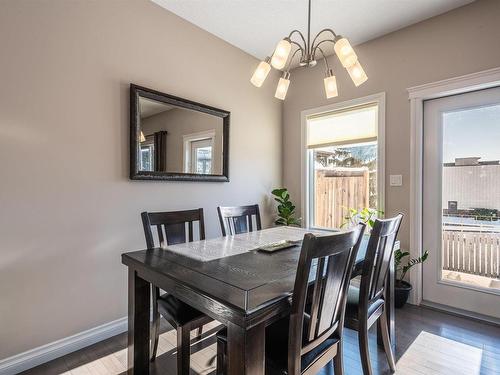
{"x": 301, "y": 37}
{"x": 321, "y": 32}
{"x": 324, "y": 58}
{"x": 317, "y": 46}
{"x": 299, "y": 47}
{"x": 293, "y": 55}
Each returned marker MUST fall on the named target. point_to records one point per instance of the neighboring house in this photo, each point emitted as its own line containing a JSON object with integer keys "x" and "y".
{"x": 469, "y": 183}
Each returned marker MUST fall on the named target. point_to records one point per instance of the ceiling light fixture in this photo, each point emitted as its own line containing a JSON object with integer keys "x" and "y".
{"x": 307, "y": 52}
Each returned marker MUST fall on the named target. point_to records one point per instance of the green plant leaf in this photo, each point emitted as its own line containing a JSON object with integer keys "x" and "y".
{"x": 278, "y": 192}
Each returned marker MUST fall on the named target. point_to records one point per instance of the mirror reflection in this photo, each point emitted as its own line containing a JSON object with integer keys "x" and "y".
{"x": 179, "y": 140}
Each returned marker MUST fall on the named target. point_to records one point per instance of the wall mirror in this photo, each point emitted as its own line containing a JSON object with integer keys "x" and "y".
{"x": 176, "y": 139}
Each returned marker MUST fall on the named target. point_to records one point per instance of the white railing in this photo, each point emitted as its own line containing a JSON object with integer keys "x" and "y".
{"x": 472, "y": 252}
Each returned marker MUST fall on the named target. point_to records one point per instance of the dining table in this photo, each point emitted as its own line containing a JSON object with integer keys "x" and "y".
{"x": 231, "y": 280}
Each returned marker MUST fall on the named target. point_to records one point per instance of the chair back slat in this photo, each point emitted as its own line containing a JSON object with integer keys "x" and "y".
{"x": 175, "y": 233}
{"x": 190, "y": 231}
{"x": 378, "y": 258}
{"x": 329, "y": 260}
{"x": 171, "y": 226}
{"x": 331, "y": 291}
{"x": 236, "y": 220}
{"x": 315, "y": 298}
{"x": 161, "y": 238}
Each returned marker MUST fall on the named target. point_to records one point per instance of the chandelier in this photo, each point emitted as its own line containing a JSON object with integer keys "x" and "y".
{"x": 281, "y": 60}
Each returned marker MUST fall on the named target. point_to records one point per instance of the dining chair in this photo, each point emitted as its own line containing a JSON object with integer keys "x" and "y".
{"x": 171, "y": 230}
{"x": 311, "y": 336}
{"x": 236, "y": 220}
{"x": 366, "y": 304}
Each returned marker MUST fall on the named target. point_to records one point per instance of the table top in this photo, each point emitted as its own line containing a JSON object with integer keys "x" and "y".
{"x": 237, "y": 274}
{"x": 221, "y": 247}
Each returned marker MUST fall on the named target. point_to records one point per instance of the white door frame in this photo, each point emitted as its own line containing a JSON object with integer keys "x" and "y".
{"x": 417, "y": 95}
{"x": 378, "y": 98}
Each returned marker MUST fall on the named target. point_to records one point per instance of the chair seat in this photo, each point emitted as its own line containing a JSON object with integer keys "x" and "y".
{"x": 277, "y": 347}
{"x": 351, "y": 310}
{"x": 173, "y": 309}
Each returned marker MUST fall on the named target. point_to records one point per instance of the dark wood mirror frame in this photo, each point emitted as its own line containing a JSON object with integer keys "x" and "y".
{"x": 135, "y": 173}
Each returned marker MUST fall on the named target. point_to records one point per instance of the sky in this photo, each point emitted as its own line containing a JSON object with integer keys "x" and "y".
{"x": 472, "y": 132}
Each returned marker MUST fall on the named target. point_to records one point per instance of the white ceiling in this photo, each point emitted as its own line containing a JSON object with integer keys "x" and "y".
{"x": 151, "y": 107}
{"x": 255, "y": 26}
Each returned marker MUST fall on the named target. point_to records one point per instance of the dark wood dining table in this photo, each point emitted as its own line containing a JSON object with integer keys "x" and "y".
{"x": 228, "y": 279}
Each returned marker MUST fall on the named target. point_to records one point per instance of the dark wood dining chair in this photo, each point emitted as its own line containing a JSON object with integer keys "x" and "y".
{"x": 311, "y": 336}
{"x": 366, "y": 304}
{"x": 171, "y": 230}
{"x": 236, "y": 220}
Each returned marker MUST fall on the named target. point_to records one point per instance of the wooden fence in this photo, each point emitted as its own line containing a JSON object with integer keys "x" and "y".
{"x": 476, "y": 253}
{"x": 338, "y": 190}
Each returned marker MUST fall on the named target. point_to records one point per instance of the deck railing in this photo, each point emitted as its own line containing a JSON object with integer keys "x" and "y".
{"x": 472, "y": 252}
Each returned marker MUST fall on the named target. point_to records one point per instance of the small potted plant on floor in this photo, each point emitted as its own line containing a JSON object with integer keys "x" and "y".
{"x": 286, "y": 208}
{"x": 402, "y": 288}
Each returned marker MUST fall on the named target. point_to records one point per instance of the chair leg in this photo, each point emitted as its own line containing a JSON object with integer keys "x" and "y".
{"x": 384, "y": 330}
{"x": 221, "y": 358}
{"x": 183, "y": 349}
{"x": 363, "y": 349}
{"x": 155, "y": 334}
{"x": 338, "y": 361}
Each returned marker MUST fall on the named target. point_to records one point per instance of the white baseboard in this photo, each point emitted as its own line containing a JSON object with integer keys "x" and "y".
{"x": 34, "y": 357}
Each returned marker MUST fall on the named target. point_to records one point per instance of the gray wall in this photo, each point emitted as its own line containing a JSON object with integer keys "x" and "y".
{"x": 459, "y": 42}
{"x": 67, "y": 208}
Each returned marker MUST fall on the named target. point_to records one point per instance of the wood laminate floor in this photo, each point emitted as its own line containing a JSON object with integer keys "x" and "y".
{"x": 429, "y": 342}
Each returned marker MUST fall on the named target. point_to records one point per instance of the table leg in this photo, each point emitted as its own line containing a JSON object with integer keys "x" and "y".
{"x": 138, "y": 324}
{"x": 389, "y": 307}
{"x": 246, "y": 350}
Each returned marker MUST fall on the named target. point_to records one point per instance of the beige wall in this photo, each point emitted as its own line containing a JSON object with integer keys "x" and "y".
{"x": 178, "y": 123}
{"x": 67, "y": 207}
{"x": 462, "y": 41}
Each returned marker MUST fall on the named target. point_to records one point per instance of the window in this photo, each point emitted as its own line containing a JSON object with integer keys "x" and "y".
{"x": 198, "y": 152}
{"x": 342, "y": 163}
{"x": 201, "y": 156}
{"x": 147, "y": 158}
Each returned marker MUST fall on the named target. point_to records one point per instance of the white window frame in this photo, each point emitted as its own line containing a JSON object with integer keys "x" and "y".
{"x": 378, "y": 99}
{"x": 188, "y": 139}
{"x": 417, "y": 95}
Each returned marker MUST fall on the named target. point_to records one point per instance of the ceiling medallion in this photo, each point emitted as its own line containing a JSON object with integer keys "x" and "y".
{"x": 280, "y": 59}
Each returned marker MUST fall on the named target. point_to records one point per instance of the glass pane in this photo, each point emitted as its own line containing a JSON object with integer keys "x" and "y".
{"x": 147, "y": 158}
{"x": 345, "y": 177}
{"x": 471, "y": 196}
{"x": 204, "y": 160}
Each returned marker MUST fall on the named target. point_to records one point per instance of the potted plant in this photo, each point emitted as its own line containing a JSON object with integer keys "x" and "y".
{"x": 365, "y": 215}
{"x": 286, "y": 208}
{"x": 402, "y": 288}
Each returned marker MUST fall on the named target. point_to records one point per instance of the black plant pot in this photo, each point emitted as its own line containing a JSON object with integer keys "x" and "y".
{"x": 401, "y": 292}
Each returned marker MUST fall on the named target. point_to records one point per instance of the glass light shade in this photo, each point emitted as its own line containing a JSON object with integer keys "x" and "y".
{"x": 260, "y": 74}
{"x": 143, "y": 138}
{"x": 280, "y": 55}
{"x": 357, "y": 74}
{"x": 331, "y": 87}
{"x": 346, "y": 54}
{"x": 282, "y": 88}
